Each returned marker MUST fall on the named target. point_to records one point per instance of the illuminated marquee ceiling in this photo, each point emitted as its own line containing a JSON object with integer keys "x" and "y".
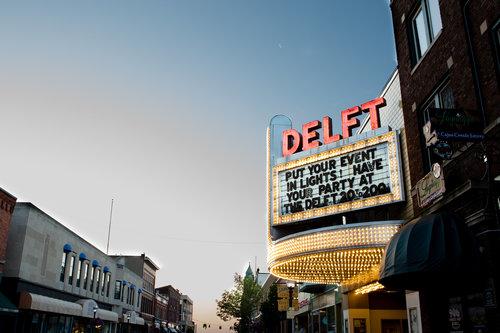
{"x": 331, "y": 255}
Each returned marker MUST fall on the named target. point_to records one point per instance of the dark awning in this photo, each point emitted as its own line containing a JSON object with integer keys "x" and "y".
{"x": 312, "y": 288}
{"x": 6, "y": 305}
{"x": 438, "y": 250}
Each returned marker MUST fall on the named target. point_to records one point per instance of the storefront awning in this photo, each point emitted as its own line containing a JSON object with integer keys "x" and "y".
{"x": 6, "y": 305}
{"x": 312, "y": 288}
{"x": 107, "y": 315}
{"x": 436, "y": 251}
{"x": 48, "y": 304}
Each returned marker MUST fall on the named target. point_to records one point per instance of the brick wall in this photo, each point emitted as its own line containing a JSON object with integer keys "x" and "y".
{"x": 448, "y": 56}
{"x": 7, "y": 204}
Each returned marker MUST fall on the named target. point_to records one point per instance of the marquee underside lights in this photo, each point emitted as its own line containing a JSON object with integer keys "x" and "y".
{"x": 369, "y": 288}
{"x": 328, "y": 267}
{"x": 331, "y": 255}
{"x": 360, "y": 175}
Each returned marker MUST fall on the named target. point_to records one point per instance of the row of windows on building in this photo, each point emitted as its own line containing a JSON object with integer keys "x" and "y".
{"x": 94, "y": 277}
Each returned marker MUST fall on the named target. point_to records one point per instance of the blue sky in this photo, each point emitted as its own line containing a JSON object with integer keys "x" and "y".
{"x": 163, "y": 106}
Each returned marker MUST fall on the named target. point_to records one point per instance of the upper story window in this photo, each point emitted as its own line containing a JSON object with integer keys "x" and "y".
{"x": 496, "y": 41}
{"x": 79, "y": 273}
{"x": 85, "y": 275}
{"x": 123, "y": 290}
{"x": 98, "y": 280}
{"x": 132, "y": 295}
{"x": 118, "y": 289}
{"x": 66, "y": 250}
{"x": 92, "y": 271}
{"x": 81, "y": 260}
{"x": 105, "y": 284}
{"x": 441, "y": 98}
{"x": 63, "y": 266}
{"x": 71, "y": 269}
{"x": 425, "y": 26}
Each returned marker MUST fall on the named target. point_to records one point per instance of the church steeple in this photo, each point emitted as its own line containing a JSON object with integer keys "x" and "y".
{"x": 249, "y": 273}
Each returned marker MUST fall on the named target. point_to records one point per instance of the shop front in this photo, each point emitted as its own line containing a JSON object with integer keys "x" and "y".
{"x": 437, "y": 260}
{"x": 39, "y": 313}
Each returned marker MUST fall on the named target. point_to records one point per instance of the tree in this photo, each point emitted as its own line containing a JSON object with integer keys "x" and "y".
{"x": 269, "y": 310}
{"x": 240, "y": 302}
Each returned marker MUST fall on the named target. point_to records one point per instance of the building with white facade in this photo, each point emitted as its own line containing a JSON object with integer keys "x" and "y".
{"x": 60, "y": 282}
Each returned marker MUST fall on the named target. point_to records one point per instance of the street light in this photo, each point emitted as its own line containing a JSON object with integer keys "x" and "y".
{"x": 291, "y": 286}
{"x": 95, "y": 310}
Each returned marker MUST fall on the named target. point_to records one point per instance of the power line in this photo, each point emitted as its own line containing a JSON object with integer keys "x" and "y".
{"x": 212, "y": 241}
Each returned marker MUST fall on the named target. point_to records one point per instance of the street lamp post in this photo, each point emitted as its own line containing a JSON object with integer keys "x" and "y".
{"x": 95, "y": 311}
{"x": 291, "y": 286}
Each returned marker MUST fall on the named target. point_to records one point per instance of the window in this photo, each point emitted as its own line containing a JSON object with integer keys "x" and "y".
{"x": 71, "y": 268}
{"x": 91, "y": 287}
{"x": 138, "y": 297}
{"x": 63, "y": 266}
{"x": 496, "y": 41}
{"x": 425, "y": 26}
{"x": 97, "y": 279}
{"x": 79, "y": 273}
{"x": 108, "y": 282}
{"x": 118, "y": 289}
{"x": 132, "y": 297}
{"x": 85, "y": 275}
{"x": 442, "y": 98}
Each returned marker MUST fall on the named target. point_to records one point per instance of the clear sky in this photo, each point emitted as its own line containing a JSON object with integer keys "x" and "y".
{"x": 163, "y": 106}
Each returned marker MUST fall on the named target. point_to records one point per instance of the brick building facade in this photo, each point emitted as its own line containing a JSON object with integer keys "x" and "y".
{"x": 174, "y": 298}
{"x": 7, "y": 204}
{"x": 448, "y": 59}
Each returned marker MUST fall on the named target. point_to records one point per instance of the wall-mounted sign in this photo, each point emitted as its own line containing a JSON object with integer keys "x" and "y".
{"x": 431, "y": 186}
{"x": 355, "y": 176}
{"x": 303, "y": 303}
{"x": 452, "y": 125}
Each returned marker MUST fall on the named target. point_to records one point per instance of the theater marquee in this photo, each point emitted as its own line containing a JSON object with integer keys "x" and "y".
{"x": 360, "y": 175}
{"x": 314, "y": 174}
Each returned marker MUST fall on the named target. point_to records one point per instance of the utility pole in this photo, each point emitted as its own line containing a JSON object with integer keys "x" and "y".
{"x": 109, "y": 229}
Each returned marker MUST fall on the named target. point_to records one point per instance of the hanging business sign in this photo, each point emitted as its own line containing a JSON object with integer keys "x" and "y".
{"x": 284, "y": 291}
{"x": 363, "y": 174}
{"x": 431, "y": 187}
{"x": 284, "y": 304}
{"x": 452, "y": 125}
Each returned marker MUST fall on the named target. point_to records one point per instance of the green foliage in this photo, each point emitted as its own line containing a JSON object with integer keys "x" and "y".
{"x": 240, "y": 302}
{"x": 189, "y": 330}
{"x": 269, "y": 310}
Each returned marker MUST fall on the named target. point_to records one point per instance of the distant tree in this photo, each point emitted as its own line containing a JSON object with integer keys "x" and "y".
{"x": 240, "y": 303}
{"x": 270, "y": 315}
